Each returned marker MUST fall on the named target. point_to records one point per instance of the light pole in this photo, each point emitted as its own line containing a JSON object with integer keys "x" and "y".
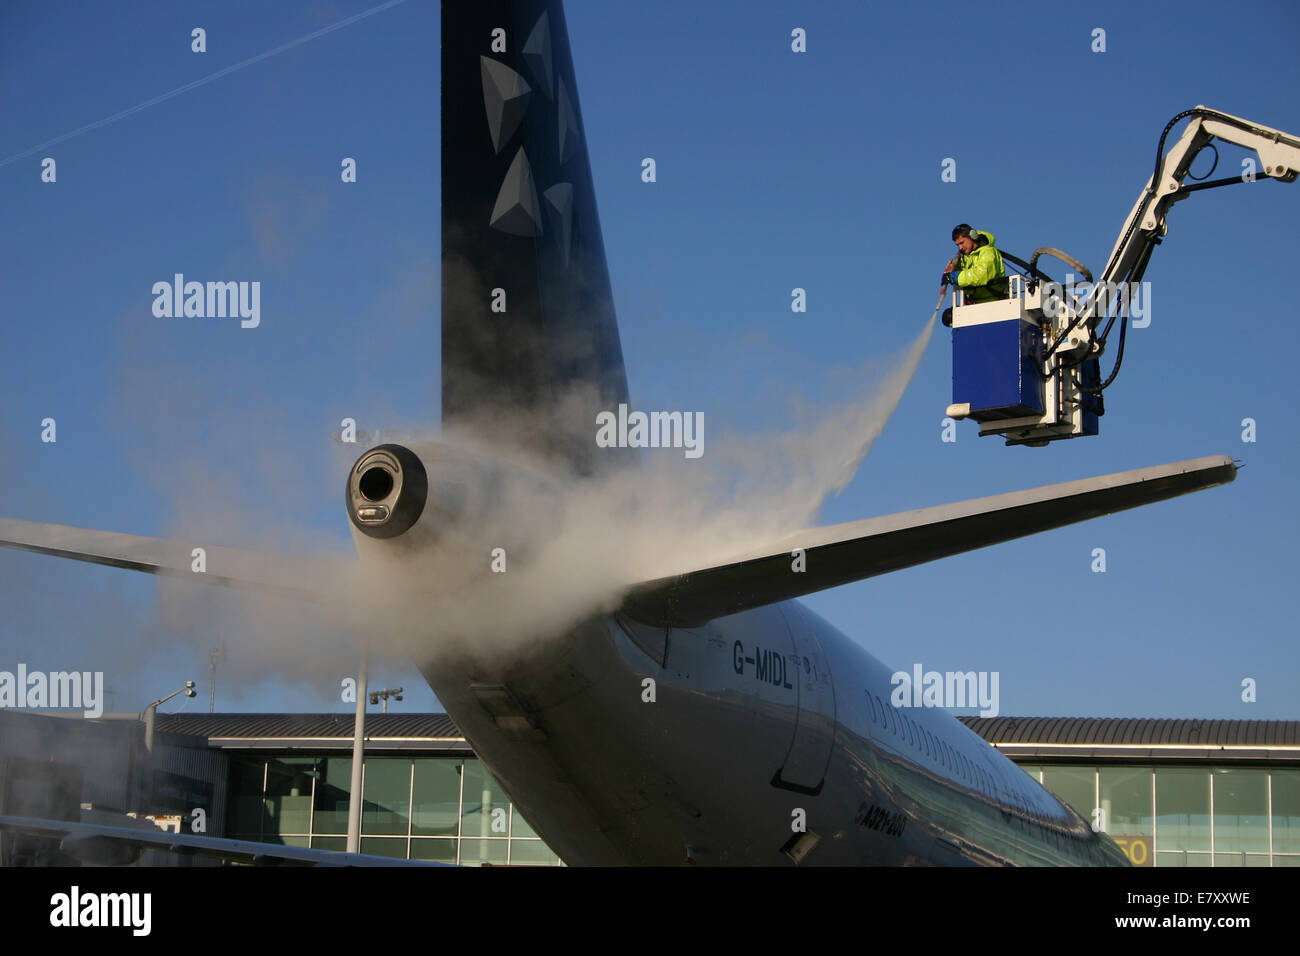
{"x": 151, "y": 712}
{"x": 358, "y": 755}
{"x": 377, "y": 695}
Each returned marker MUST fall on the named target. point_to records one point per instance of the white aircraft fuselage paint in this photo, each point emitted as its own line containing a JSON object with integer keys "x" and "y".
{"x": 724, "y": 758}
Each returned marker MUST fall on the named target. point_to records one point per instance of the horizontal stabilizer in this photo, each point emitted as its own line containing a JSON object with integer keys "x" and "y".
{"x": 312, "y": 578}
{"x": 839, "y": 554}
{"x": 97, "y": 844}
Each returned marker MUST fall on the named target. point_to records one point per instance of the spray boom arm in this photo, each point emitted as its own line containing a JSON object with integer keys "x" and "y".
{"x": 1027, "y": 367}
{"x": 1279, "y": 158}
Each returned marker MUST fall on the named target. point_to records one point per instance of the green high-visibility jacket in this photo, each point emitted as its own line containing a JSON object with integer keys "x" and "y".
{"x": 981, "y": 266}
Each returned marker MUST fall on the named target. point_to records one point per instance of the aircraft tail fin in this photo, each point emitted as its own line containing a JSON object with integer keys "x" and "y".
{"x": 839, "y": 554}
{"x": 530, "y": 344}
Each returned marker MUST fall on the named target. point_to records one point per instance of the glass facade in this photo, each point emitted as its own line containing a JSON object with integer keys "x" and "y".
{"x": 451, "y": 810}
{"x": 1284, "y": 810}
{"x": 441, "y": 809}
{"x": 1186, "y": 816}
{"x": 1075, "y": 786}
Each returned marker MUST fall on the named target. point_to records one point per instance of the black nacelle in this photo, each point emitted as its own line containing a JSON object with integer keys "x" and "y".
{"x": 387, "y": 491}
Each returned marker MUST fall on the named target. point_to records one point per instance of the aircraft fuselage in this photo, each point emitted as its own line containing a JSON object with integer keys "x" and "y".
{"x": 626, "y": 744}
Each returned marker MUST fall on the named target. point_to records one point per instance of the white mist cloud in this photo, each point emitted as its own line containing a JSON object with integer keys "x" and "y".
{"x": 575, "y": 548}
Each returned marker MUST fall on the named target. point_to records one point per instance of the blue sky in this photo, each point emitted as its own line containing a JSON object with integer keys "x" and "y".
{"x": 775, "y": 170}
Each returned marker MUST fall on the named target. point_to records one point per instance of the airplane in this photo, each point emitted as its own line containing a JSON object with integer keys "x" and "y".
{"x": 699, "y": 716}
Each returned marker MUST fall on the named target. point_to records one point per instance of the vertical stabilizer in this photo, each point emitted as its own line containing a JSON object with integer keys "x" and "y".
{"x": 530, "y": 345}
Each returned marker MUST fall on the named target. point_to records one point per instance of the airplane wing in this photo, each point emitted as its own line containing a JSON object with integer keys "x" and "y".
{"x": 310, "y": 578}
{"x": 119, "y": 846}
{"x": 838, "y": 554}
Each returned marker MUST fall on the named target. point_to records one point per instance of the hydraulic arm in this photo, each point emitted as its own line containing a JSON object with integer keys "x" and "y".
{"x": 1028, "y": 367}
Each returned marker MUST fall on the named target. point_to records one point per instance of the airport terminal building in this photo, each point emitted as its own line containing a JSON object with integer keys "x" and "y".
{"x": 1170, "y": 792}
